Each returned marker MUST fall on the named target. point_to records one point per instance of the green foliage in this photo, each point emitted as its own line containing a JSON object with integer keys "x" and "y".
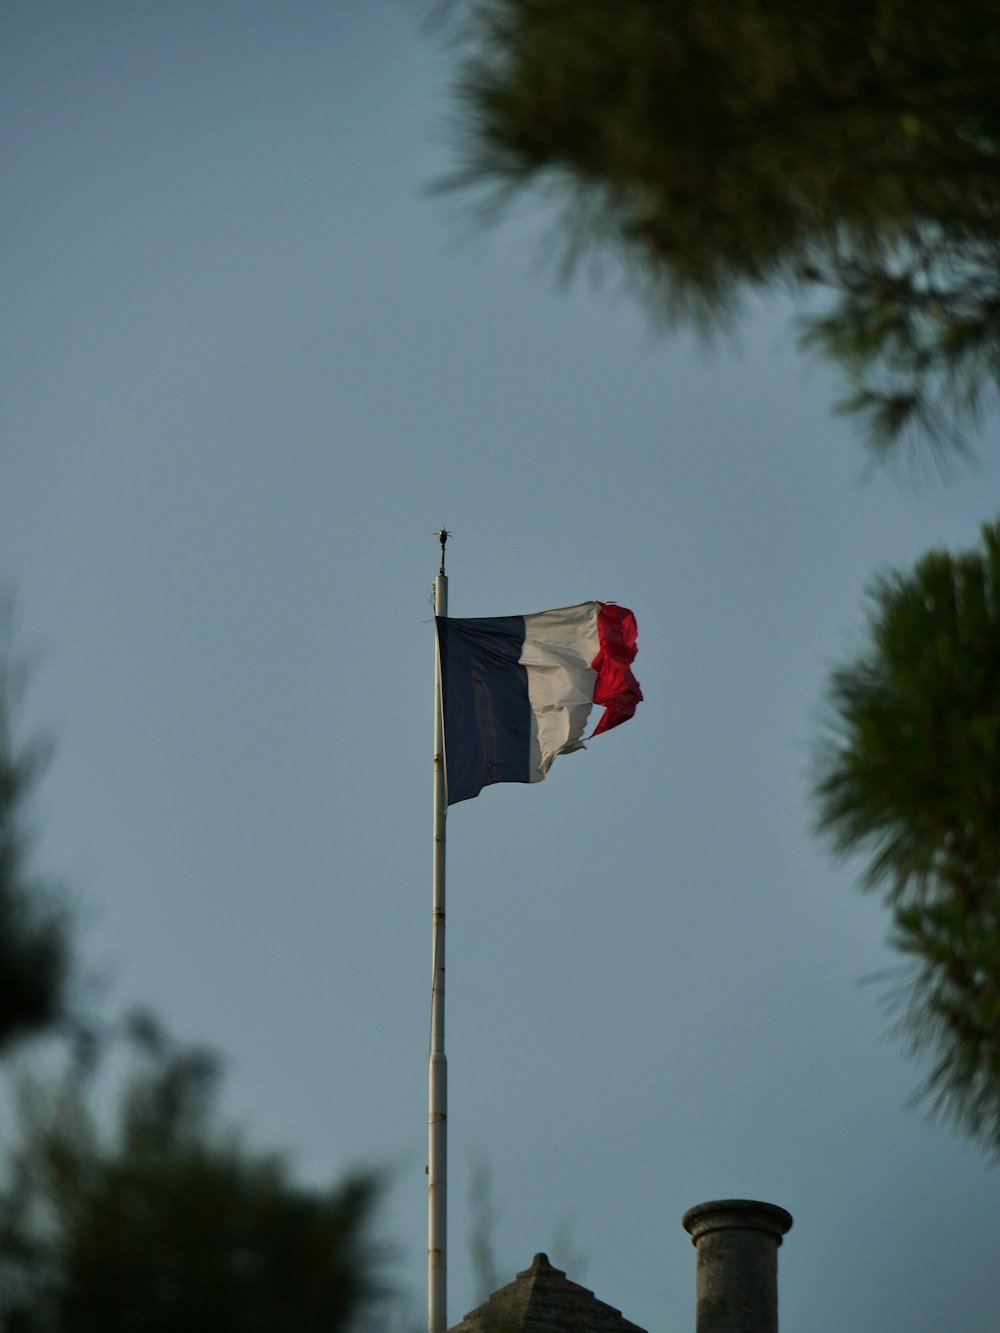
{"x": 169, "y": 1224}
{"x": 34, "y": 946}
{"x": 720, "y": 149}
{"x": 909, "y": 775}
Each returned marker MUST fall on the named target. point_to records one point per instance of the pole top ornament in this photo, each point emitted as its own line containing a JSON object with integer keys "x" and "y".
{"x": 442, "y": 535}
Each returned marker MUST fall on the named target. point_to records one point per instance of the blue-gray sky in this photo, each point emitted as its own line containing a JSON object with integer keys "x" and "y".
{"x": 248, "y": 366}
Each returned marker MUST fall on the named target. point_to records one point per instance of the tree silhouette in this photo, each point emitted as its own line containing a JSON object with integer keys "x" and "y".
{"x": 34, "y": 935}
{"x": 170, "y": 1223}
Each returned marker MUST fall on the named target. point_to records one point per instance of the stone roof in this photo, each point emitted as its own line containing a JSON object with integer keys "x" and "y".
{"x": 543, "y": 1300}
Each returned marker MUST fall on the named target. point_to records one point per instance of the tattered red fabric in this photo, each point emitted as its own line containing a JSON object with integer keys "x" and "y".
{"x": 616, "y": 688}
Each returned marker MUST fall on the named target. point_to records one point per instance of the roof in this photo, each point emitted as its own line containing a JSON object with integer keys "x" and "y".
{"x": 543, "y": 1300}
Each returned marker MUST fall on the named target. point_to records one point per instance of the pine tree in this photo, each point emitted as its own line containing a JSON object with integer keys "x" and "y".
{"x": 909, "y": 775}
{"x": 848, "y": 152}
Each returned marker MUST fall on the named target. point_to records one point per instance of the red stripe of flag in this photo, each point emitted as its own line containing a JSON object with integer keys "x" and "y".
{"x": 616, "y": 687}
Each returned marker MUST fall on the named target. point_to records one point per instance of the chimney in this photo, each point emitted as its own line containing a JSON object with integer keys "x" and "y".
{"x": 737, "y": 1242}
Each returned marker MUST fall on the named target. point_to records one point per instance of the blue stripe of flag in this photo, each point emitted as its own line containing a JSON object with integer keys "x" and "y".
{"x": 487, "y": 713}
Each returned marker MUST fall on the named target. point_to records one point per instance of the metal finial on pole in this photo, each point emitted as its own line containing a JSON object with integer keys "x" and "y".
{"x": 442, "y": 535}
{"x": 437, "y": 1147}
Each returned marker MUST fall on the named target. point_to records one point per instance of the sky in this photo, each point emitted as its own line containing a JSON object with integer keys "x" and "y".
{"x": 250, "y": 363}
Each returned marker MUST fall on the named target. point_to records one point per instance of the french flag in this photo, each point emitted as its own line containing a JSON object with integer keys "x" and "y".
{"x": 517, "y": 690}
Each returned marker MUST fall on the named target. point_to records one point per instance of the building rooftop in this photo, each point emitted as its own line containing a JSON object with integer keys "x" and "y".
{"x": 543, "y": 1300}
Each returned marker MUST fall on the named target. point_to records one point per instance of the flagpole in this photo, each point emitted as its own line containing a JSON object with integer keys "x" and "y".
{"x": 437, "y": 1148}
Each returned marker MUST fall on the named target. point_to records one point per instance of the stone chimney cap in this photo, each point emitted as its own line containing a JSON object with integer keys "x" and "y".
{"x": 738, "y": 1214}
